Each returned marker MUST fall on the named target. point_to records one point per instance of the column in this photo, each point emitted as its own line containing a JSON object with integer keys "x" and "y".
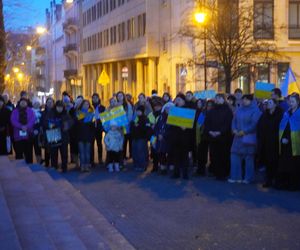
{"x": 119, "y": 72}
{"x": 112, "y": 79}
{"x": 151, "y": 76}
{"x": 139, "y": 77}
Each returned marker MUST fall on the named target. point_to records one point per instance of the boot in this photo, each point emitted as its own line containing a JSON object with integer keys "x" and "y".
{"x": 163, "y": 170}
{"x": 117, "y": 167}
{"x": 110, "y": 168}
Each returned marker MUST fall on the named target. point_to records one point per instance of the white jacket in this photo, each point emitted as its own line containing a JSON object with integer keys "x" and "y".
{"x": 114, "y": 141}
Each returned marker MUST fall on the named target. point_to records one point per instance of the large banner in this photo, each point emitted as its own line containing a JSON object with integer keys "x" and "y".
{"x": 263, "y": 90}
{"x": 181, "y": 117}
{"x": 117, "y": 115}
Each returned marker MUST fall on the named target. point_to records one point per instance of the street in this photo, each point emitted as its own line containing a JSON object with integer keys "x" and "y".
{"x": 156, "y": 212}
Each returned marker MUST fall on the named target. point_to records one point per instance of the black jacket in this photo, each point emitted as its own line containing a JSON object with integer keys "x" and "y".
{"x": 268, "y": 134}
{"x": 219, "y": 118}
{"x": 141, "y": 128}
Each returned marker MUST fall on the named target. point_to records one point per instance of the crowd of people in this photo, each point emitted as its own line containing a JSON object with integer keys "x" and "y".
{"x": 232, "y": 137}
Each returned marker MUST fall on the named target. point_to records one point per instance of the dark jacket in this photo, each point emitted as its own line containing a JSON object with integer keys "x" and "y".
{"x": 219, "y": 118}
{"x": 98, "y": 110}
{"x": 51, "y": 119}
{"x": 141, "y": 128}
{"x": 267, "y": 135}
{"x": 4, "y": 129}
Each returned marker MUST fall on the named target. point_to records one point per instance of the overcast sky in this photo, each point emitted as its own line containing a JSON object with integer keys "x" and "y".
{"x": 20, "y": 14}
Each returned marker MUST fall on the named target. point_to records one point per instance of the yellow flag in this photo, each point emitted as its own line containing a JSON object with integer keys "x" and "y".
{"x": 103, "y": 78}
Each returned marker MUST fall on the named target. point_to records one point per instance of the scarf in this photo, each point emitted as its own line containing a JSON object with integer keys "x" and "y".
{"x": 23, "y": 116}
{"x": 294, "y": 121}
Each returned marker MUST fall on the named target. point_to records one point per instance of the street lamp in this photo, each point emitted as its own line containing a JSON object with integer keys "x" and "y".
{"x": 16, "y": 70}
{"x": 200, "y": 18}
{"x": 40, "y": 30}
{"x": 28, "y": 48}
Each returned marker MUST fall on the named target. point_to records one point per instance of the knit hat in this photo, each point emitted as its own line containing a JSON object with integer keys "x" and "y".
{"x": 168, "y": 105}
{"x": 141, "y": 108}
{"x": 113, "y": 124}
{"x": 180, "y": 95}
{"x": 36, "y": 100}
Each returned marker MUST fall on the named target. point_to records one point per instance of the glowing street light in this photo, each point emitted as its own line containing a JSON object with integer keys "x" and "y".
{"x": 200, "y": 17}
{"x": 28, "y": 48}
{"x": 69, "y": 1}
{"x": 40, "y": 30}
{"x": 20, "y": 76}
{"x": 7, "y": 77}
{"x": 16, "y": 70}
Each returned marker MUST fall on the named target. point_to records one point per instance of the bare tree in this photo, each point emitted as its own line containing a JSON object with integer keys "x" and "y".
{"x": 229, "y": 34}
{"x": 2, "y": 48}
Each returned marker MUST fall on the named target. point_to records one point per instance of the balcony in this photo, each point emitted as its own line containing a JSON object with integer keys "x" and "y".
{"x": 70, "y": 49}
{"x": 71, "y": 25}
{"x": 71, "y": 73}
{"x": 40, "y": 63}
{"x": 40, "y": 51}
{"x": 40, "y": 76}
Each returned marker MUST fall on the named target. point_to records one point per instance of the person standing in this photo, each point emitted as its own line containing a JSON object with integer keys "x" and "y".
{"x": 36, "y": 102}
{"x": 57, "y": 124}
{"x": 85, "y": 134}
{"x": 244, "y": 126}
{"x": 122, "y": 101}
{"x": 179, "y": 140}
{"x": 22, "y": 120}
{"x": 267, "y": 138}
{"x": 4, "y": 126}
{"x": 140, "y": 130}
{"x": 114, "y": 145}
{"x": 98, "y": 129}
{"x": 288, "y": 176}
{"x": 217, "y": 128}
{"x": 49, "y": 109}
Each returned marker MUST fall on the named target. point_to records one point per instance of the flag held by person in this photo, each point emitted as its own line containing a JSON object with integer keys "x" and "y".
{"x": 263, "y": 90}
{"x": 289, "y": 86}
{"x": 181, "y": 117}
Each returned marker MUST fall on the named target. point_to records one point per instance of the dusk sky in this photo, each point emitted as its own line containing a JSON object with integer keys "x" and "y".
{"x": 20, "y": 14}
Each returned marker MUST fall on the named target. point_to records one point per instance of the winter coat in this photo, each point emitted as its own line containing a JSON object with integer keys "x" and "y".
{"x": 267, "y": 135}
{"x": 219, "y": 118}
{"x": 51, "y": 120}
{"x": 245, "y": 119}
{"x": 4, "y": 129}
{"x": 17, "y": 126}
{"x": 160, "y": 129}
{"x": 140, "y": 128}
{"x": 85, "y": 128}
{"x": 114, "y": 140}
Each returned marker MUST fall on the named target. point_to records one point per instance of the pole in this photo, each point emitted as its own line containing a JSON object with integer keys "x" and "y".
{"x": 205, "y": 61}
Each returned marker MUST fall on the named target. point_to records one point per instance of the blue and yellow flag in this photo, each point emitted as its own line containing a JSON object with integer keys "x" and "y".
{"x": 118, "y": 115}
{"x": 289, "y": 86}
{"x": 181, "y": 117}
{"x": 263, "y": 90}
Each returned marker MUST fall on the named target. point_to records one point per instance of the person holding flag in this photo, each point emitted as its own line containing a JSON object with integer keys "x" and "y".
{"x": 85, "y": 133}
{"x": 290, "y": 86}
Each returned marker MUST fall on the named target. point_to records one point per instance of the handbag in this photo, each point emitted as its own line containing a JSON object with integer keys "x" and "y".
{"x": 250, "y": 139}
{"x": 8, "y": 144}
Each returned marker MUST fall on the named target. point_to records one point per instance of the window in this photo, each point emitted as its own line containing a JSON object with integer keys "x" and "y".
{"x": 89, "y": 16}
{"x": 263, "y": 72}
{"x": 282, "y": 68}
{"x": 99, "y": 9}
{"x": 113, "y": 35}
{"x": 263, "y": 19}
{"x": 99, "y": 40}
{"x": 228, "y": 18}
{"x": 131, "y": 28}
{"x": 94, "y": 13}
{"x": 294, "y": 19}
{"x": 141, "y": 25}
{"x": 112, "y": 5}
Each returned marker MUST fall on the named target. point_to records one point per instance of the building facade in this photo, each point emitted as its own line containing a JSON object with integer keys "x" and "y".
{"x": 137, "y": 45}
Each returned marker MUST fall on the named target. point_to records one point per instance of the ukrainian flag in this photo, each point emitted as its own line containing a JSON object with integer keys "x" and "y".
{"x": 263, "y": 90}
{"x": 181, "y": 117}
{"x": 289, "y": 86}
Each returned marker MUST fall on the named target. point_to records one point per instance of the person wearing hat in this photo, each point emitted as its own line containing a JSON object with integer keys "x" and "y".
{"x": 23, "y": 120}
{"x": 4, "y": 126}
{"x": 114, "y": 140}
{"x": 178, "y": 139}
{"x": 140, "y": 131}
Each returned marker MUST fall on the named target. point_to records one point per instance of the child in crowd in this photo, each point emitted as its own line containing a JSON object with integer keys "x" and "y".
{"x": 114, "y": 140}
